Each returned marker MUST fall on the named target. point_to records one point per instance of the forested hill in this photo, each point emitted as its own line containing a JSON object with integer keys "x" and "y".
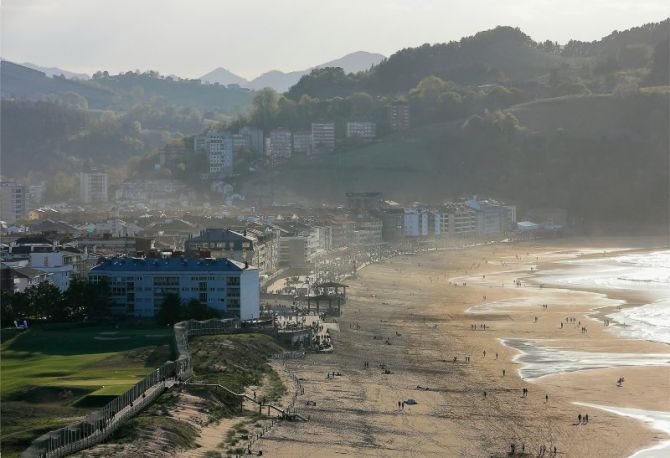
{"x": 609, "y": 175}
{"x": 503, "y": 55}
{"x": 123, "y": 91}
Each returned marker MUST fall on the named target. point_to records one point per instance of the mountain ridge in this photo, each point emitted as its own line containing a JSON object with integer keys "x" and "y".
{"x": 282, "y": 81}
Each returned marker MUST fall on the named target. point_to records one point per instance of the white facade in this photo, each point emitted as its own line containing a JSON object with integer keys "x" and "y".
{"x": 302, "y": 143}
{"x": 139, "y": 285}
{"x": 55, "y": 264}
{"x": 415, "y": 222}
{"x": 220, "y": 150}
{"x": 13, "y": 201}
{"x": 456, "y": 221}
{"x": 92, "y": 187}
{"x": 280, "y": 146}
{"x": 357, "y": 129}
{"x": 323, "y": 136}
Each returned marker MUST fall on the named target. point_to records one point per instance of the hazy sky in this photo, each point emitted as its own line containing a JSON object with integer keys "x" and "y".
{"x": 248, "y": 37}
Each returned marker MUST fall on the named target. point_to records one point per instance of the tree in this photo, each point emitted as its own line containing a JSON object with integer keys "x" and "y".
{"x": 46, "y": 301}
{"x": 196, "y": 310}
{"x": 170, "y": 311}
{"x": 265, "y": 108}
{"x": 660, "y": 67}
{"x": 361, "y": 105}
{"x": 88, "y": 299}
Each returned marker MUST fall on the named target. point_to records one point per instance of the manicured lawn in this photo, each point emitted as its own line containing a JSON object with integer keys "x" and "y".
{"x": 52, "y": 375}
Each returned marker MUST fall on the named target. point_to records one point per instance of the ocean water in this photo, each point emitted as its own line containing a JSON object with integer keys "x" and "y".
{"x": 640, "y": 272}
{"x": 655, "y": 419}
{"x": 541, "y": 358}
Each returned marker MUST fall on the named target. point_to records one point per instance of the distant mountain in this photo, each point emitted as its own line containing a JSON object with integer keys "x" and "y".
{"x": 225, "y": 77}
{"x": 351, "y": 63}
{"x": 55, "y": 71}
{"x": 355, "y": 62}
{"x": 122, "y": 91}
{"x": 21, "y": 82}
{"x": 280, "y": 81}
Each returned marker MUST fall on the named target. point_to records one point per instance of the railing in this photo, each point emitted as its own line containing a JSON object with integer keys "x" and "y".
{"x": 99, "y": 425}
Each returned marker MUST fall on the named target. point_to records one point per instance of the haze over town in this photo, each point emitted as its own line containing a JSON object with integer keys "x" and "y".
{"x": 298, "y": 228}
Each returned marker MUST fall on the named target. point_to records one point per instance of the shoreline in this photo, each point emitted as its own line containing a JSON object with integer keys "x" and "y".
{"x": 411, "y": 302}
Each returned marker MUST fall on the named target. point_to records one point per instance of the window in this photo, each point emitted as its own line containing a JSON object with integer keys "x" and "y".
{"x": 202, "y": 297}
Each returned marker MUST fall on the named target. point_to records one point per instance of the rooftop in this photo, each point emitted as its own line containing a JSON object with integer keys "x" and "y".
{"x": 171, "y": 264}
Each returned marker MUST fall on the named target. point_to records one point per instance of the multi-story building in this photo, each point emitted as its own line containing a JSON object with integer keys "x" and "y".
{"x": 493, "y": 217}
{"x": 220, "y": 243}
{"x": 240, "y": 142}
{"x": 114, "y": 245}
{"x": 392, "y": 224}
{"x": 399, "y": 115}
{"x": 92, "y": 187}
{"x": 13, "y": 201}
{"x": 139, "y": 285}
{"x": 367, "y": 233}
{"x": 456, "y": 220}
{"x": 302, "y": 143}
{"x": 342, "y": 232}
{"x": 254, "y": 138}
{"x": 58, "y": 264}
{"x": 19, "y": 278}
{"x": 415, "y": 222}
{"x": 219, "y": 147}
{"x": 363, "y": 204}
{"x": 293, "y": 252}
{"x": 361, "y": 129}
{"x": 323, "y": 137}
{"x": 220, "y": 152}
{"x": 280, "y": 146}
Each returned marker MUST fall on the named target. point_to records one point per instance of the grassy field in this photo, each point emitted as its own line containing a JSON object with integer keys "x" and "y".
{"x": 52, "y": 375}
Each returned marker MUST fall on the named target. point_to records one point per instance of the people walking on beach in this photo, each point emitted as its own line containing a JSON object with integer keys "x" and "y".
{"x": 579, "y": 418}
{"x": 496, "y": 355}
{"x": 546, "y": 398}
{"x": 484, "y": 394}
{"x": 484, "y": 353}
{"x": 503, "y": 372}
{"x": 586, "y": 418}
{"x": 561, "y": 325}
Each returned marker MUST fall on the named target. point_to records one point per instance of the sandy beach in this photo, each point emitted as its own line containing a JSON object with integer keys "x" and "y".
{"x": 414, "y": 315}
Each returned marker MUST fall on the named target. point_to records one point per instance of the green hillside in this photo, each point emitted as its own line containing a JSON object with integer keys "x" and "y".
{"x": 616, "y": 165}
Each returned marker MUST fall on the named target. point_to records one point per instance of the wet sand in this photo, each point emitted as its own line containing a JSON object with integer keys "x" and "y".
{"x": 412, "y": 302}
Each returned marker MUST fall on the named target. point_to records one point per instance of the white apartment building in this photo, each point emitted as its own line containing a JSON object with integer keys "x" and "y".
{"x": 92, "y": 187}
{"x": 323, "y": 137}
{"x": 13, "y": 201}
{"x": 455, "y": 220}
{"x": 415, "y": 222}
{"x": 361, "y": 129}
{"x": 139, "y": 285}
{"x": 58, "y": 264}
{"x": 302, "y": 143}
{"x": 280, "y": 146}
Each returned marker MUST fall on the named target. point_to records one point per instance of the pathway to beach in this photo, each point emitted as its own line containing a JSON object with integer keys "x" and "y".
{"x": 416, "y": 328}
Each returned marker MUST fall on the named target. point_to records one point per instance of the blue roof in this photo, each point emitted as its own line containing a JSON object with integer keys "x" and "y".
{"x": 186, "y": 264}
